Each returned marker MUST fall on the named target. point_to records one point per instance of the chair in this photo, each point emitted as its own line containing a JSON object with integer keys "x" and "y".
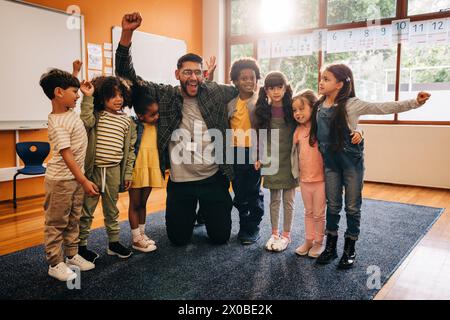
{"x": 33, "y": 154}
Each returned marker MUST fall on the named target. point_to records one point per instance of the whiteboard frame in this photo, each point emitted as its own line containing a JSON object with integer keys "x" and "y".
{"x": 42, "y": 124}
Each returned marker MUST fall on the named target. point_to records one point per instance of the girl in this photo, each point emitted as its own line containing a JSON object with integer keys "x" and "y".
{"x": 307, "y": 164}
{"x": 274, "y": 111}
{"x": 109, "y": 160}
{"x": 147, "y": 173}
{"x": 338, "y": 113}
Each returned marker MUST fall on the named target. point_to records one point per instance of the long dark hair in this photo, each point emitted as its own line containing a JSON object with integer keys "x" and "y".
{"x": 263, "y": 111}
{"x": 339, "y": 124}
{"x": 310, "y": 97}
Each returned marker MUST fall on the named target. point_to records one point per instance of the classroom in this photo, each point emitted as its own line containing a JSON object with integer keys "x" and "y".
{"x": 210, "y": 150}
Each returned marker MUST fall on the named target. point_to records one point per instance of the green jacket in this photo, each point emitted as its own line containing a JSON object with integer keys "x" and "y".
{"x": 90, "y": 119}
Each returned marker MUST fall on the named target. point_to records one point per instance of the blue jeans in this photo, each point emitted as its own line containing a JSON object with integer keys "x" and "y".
{"x": 344, "y": 170}
{"x": 248, "y": 196}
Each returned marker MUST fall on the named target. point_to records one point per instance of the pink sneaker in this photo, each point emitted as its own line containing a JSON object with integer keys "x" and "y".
{"x": 304, "y": 248}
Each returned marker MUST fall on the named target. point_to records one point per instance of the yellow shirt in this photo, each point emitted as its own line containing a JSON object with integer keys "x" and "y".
{"x": 240, "y": 123}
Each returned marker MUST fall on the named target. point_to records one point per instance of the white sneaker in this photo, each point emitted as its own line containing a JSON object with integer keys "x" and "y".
{"x": 281, "y": 244}
{"x": 142, "y": 245}
{"x": 80, "y": 262}
{"x": 61, "y": 272}
{"x": 148, "y": 240}
{"x": 272, "y": 240}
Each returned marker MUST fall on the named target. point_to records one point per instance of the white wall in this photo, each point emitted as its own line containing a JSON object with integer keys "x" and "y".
{"x": 410, "y": 155}
{"x": 214, "y": 35}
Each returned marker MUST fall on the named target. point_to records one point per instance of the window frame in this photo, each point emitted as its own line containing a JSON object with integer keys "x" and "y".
{"x": 401, "y": 13}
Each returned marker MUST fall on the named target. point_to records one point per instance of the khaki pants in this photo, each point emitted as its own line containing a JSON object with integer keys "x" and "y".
{"x": 63, "y": 204}
{"x": 108, "y": 180}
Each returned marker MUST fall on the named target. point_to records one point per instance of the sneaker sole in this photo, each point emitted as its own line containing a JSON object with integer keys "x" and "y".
{"x": 112, "y": 253}
{"x": 143, "y": 250}
{"x": 301, "y": 254}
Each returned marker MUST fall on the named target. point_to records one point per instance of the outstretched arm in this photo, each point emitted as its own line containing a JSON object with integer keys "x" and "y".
{"x": 124, "y": 64}
{"x": 87, "y": 105}
{"x": 363, "y": 107}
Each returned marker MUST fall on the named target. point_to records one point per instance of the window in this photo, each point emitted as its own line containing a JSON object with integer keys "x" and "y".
{"x": 285, "y": 35}
{"x": 243, "y": 18}
{"x": 302, "y": 72}
{"x": 241, "y": 50}
{"x": 426, "y": 69}
{"x": 427, "y": 6}
{"x": 269, "y": 16}
{"x": 373, "y": 73}
{"x": 345, "y": 11}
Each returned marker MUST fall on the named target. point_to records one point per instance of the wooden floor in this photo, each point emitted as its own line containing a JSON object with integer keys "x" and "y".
{"x": 425, "y": 274}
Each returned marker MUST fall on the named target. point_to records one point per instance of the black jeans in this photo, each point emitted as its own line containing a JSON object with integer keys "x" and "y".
{"x": 248, "y": 196}
{"x": 181, "y": 204}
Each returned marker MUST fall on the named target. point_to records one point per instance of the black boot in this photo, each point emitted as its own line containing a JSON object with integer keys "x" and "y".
{"x": 329, "y": 254}
{"x": 349, "y": 255}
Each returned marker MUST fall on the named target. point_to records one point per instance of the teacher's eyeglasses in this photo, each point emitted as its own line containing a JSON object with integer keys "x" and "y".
{"x": 189, "y": 72}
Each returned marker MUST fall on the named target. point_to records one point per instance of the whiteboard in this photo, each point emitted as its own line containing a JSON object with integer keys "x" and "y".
{"x": 34, "y": 39}
{"x": 154, "y": 57}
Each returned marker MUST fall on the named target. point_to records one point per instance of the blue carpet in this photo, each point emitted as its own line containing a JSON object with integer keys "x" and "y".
{"x": 232, "y": 271}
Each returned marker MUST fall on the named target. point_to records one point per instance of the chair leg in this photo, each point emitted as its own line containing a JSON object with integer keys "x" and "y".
{"x": 14, "y": 191}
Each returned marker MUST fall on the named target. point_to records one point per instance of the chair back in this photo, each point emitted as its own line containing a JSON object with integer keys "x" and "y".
{"x": 33, "y": 153}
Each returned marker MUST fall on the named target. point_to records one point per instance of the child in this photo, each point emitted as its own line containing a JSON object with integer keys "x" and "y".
{"x": 147, "y": 173}
{"x": 274, "y": 111}
{"x": 109, "y": 160}
{"x": 338, "y": 114}
{"x": 65, "y": 182}
{"x": 307, "y": 165}
{"x": 248, "y": 197}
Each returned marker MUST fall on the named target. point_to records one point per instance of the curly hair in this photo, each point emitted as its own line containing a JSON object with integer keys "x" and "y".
{"x": 107, "y": 87}
{"x": 263, "y": 111}
{"x": 244, "y": 63}
{"x": 57, "y": 78}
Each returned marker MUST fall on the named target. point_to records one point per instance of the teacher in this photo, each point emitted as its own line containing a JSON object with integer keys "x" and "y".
{"x": 194, "y": 105}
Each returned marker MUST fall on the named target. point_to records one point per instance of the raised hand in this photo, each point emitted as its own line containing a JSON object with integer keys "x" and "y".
{"x": 87, "y": 88}
{"x": 422, "y": 97}
{"x": 76, "y": 67}
{"x": 131, "y": 21}
{"x": 211, "y": 64}
{"x": 257, "y": 165}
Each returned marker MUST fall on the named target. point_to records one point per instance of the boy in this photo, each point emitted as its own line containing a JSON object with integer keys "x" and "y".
{"x": 65, "y": 182}
{"x": 248, "y": 197}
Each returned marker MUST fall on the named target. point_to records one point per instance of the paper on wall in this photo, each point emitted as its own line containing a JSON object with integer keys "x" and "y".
{"x": 95, "y": 58}
{"x": 93, "y": 74}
